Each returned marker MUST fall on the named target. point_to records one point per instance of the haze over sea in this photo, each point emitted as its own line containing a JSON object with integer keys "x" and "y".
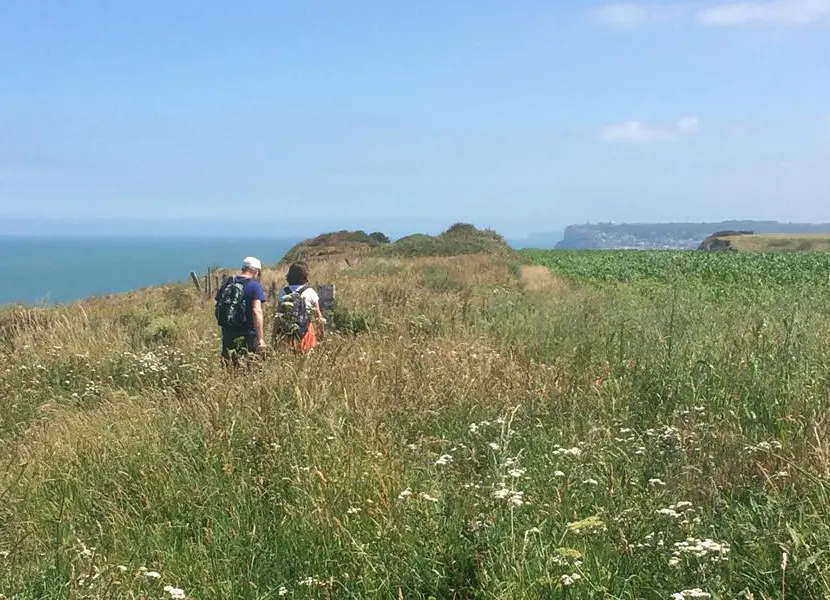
{"x": 55, "y": 269}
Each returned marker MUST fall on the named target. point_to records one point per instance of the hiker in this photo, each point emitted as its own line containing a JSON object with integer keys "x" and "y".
{"x": 298, "y": 310}
{"x": 239, "y": 312}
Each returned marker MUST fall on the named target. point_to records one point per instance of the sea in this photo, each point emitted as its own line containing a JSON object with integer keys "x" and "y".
{"x": 48, "y": 270}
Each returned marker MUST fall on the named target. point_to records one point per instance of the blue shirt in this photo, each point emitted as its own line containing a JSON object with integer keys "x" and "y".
{"x": 251, "y": 290}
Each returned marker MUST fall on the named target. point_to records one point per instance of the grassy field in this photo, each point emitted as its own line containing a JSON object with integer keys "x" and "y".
{"x": 780, "y": 242}
{"x": 479, "y": 429}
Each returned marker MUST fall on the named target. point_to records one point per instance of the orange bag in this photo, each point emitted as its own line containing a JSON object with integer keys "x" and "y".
{"x": 305, "y": 345}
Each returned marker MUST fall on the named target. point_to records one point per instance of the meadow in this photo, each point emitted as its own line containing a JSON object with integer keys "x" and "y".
{"x": 554, "y": 425}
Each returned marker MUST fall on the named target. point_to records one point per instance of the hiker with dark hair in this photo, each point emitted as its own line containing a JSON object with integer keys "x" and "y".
{"x": 298, "y": 312}
{"x": 239, "y": 312}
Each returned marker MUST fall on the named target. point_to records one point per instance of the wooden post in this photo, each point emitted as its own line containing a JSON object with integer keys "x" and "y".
{"x": 328, "y": 302}
{"x": 195, "y": 281}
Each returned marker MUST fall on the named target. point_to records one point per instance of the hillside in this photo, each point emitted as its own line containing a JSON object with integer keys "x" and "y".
{"x": 768, "y": 242}
{"x": 458, "y": 239}
{"x": 677, "y": 236}
{"x": 338, "y": 244}
{"x": 480, "y": 429}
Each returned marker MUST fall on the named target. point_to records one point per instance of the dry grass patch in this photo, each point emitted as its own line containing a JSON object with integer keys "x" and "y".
{"x": 541, "y": 279}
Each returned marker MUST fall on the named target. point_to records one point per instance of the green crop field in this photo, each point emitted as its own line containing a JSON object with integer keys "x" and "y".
{"x": 605, "y": 425}
{"x": 668, "y": 266}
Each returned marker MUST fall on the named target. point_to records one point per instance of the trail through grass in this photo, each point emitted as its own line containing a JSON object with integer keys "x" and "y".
{"x": 477, "y": 431}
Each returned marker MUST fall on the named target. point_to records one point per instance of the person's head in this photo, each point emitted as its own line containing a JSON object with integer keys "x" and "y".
{"x": 252, "y": 266}
{"x": 297, "y": 274}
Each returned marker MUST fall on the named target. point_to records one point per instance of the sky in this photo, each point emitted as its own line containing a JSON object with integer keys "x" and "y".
{"x": 524, "y": 116}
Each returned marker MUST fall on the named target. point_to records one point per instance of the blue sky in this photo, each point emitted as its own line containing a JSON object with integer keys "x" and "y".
{"x": 523, "y": 116}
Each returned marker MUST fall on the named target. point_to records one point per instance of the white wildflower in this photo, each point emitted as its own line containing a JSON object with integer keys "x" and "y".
{"x": 473, "y": 428}
{"x": 559, "y": 451}
{"x": 282, "y": 591}
{"x": 716, "y": 551}
{"x": 674, "y": 561}
{"x": 501, "y": 494}
{"x": 569, "y": 580}
{"x": 4, "y": 554}
{"x": 514, "y": 497}
{"x": 352, "y": 510}
{"x": 669, "y": 512}
{"x": 428, "y": 498}
{"x": 175, "y": 593}
{"x": 444, "y": 459}
{"x": 307, "y": 581}
{"x": 516, "y": 473}
{"x": 591, "y": 482}
{"x": 493, "y": 446}
{"x": 122, "y": 568}
{"x": 405, "y": 494}
{"x": 764, "y": 446}
{"x": 152, "y": 575}
{"x": 655, "y": 481}
{"x": 558, "y": 474}
{"x": 695, "y": 593}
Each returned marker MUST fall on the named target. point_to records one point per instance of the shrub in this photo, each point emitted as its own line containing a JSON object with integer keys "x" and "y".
{"x": 380, "y": 238}
{"x": 349, "y": 322}
{"x": 165, "y": 330}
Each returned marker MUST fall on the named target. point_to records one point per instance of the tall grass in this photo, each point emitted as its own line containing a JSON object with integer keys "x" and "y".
{"x": 474, "y": 437}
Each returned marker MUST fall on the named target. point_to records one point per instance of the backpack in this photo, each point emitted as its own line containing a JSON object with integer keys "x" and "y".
{"x": 230, "y": 304}
{"x": 292, "y": 319}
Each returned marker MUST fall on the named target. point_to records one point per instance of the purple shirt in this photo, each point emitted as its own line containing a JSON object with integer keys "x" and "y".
{"x": 251, "y": 290}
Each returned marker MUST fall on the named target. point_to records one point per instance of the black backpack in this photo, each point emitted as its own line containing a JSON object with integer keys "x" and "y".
{"x": 230, "y": 304}
{"x": 291, "y": 320}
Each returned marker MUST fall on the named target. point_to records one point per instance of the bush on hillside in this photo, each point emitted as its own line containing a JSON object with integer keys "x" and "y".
{"x": 461, "y": 238}
{"x": 380, "y": 238}
{"x": 336, "y": 243}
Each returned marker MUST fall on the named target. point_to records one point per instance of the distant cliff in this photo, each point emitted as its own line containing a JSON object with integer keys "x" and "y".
{"x": 683, "y": 236}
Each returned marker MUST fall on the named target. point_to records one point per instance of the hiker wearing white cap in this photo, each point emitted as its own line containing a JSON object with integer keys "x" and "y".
{"x": 239, "y": 311}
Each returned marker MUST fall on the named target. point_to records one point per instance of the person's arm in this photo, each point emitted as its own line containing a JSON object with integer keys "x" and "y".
{"x": 259, "y": 319}
{"x": 256, "y": 308}
{"x": 315, "y": 301}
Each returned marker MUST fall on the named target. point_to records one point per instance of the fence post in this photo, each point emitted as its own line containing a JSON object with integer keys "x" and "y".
{"x": 328, "y": 303}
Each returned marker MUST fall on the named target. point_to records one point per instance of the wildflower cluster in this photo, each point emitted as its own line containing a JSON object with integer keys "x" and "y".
{"x": 763, "y": 447}
{"x": 676, "y": 511}
{"x": 694, "y": 593}
{"x": 560, "y": 451}
{"x": 513, "y": 497}
{"x": 714, "y": 551}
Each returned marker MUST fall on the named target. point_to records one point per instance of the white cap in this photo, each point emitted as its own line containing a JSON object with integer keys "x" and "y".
{"x": 251, "y": 263}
